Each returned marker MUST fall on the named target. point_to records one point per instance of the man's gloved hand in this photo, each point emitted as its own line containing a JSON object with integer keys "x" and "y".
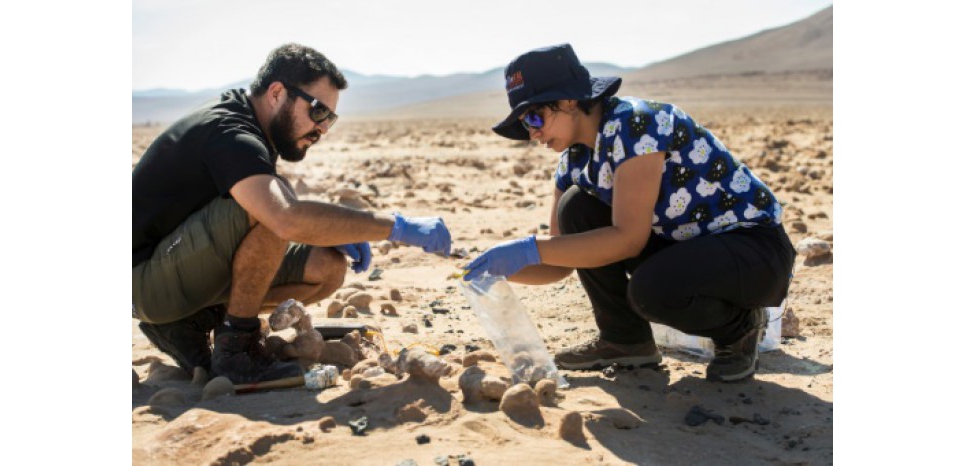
{"x": 360, "y": 253}
{"x": 430, "y": 233}
{"x": 505, "y": 258}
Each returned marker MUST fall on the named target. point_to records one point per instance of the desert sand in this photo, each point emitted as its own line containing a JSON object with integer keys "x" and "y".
{"x": 489, "y": 189}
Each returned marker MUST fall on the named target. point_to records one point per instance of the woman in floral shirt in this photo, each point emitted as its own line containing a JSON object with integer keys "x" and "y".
{"x": 660, "y": 221}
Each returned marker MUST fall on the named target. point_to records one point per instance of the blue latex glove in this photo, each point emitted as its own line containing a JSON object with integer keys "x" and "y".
{"x": 360, "y": 253}
{"x": 430, "y": 233}
{"x": 505, "y": 258}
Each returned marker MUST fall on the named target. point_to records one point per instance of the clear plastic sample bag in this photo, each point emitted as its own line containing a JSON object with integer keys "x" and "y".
{"x": 516, "y": 339}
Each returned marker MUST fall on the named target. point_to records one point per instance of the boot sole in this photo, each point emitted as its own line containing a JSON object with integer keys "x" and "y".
{"x": 601, "y": 363}
{"x": 745, "y": 374}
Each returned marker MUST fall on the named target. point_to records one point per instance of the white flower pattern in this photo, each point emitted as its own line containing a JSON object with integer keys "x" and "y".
{"x": 706, "y": 188}
{"x": 611, "y": 127}
{"x": 678, "y": 203}
{"x": 686, "y": 231}
{"x": 606, "y": 176}
{"x": 618, "y": 152}
{"x": 701, "y": 151}
{"x": 723, "y": 221}
{"x": 741, "y": 182}
{"x": 664, "y": 123}
{"x": 646, "y": 145}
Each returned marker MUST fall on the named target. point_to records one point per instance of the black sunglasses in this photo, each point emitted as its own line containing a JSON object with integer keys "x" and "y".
{"x": 318, "y": 112}
{"x": 531, "y": 118}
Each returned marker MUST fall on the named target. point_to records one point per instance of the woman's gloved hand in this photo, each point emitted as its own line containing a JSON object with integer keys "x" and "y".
{"x": 505, "y": 258}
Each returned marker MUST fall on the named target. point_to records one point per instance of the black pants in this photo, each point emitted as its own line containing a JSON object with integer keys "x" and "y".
{"x": 703, "y": 286}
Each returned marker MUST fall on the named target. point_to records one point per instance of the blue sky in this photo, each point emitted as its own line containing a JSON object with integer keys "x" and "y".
{"x": 191, "y": 44}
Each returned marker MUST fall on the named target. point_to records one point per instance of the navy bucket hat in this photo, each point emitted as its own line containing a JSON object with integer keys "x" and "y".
{"x": 547, "y": 75}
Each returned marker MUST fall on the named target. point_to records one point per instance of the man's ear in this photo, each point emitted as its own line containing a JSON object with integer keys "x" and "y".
{"x": 276, "y": 93}
{"x": 567, "y": 105}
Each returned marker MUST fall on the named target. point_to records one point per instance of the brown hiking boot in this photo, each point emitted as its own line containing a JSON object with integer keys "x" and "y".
{"x": 242, "y": 357}
{"x": 599, "y": 353}
{"x": 739, "y": 359}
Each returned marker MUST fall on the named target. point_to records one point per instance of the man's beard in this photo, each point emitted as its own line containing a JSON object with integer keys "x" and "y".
{"x": 280, "y": 130}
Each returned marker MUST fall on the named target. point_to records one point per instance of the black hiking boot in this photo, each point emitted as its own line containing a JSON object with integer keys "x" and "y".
{"x": 188, "y": 340}
{"x": 242, "y": 357}
{"x": 739, "y": 359}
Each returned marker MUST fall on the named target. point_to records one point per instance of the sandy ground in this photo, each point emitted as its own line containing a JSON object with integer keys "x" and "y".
{"x": 462, "y": 171}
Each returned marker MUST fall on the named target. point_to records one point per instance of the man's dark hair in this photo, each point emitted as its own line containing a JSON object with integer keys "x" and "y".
{"x": 296, "y": 65}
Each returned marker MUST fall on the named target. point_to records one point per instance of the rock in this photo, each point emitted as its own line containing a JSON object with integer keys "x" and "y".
{"x": 200, "y": 377}
{"x": 623, "y": 419}
{"x": 275, "y": 345}
{"x": 347, "y": 375}
{"x": 338, "y": 353}
{"x": 360, "y": 300}
{"x": 388, "y": 309}
{"x": 359, "y": 425}
{"x": 799, "y": 226}
{"x": 546, "y": 390}
{"x": 218, "y": 386}
{"x": 395, "y": 295}
{"x": 158, "y": 372}
{"x": 326, "y": 423}
{"x": 473, "y": 358}
{"x": 521, "y": 404}
{"x": 334, "y": 309}
{"x": 790, "y": 324}
{"x": 345, "y": 293}
{"x": 698, "y": 415}
{"x": 286, "y": 314}
{"x": 470, "y": 382}
{"x": 384, "y": 247}
{"x": 422, "y": 366}
{"x": 422, "y": 439}
{"x": 410, "y": 328}
{"x": 813, "y": 247}
{"x": 571, "y": 428}
{"x": 167, "y": 397}
{"x": 493, "y": 388}
{"x": 363, "y": 365}
{"x": 350, "y": 312}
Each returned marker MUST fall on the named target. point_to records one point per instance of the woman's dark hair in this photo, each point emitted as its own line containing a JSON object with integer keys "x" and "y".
{"x": 585, "y": 105}
{"x": 296, "y": 65}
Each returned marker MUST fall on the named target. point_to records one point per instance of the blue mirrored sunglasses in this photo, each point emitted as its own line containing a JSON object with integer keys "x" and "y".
{"x": 532, "y": 120}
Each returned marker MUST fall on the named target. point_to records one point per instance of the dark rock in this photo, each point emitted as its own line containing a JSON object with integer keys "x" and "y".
{"x": 471, "y": 347}
{"x": 610, "y": 371}
{"x": 422, "y": 439}
{"x": 447, "y": 348}
{"x": 760, "y": 420}
{"x": 375, "y": 275}
{"x": 698, "y": 415}
{"x": 426, "y": 322}
{"x": 465, "y": 461}
{"x": 440, "y": 310}
{"x": 747, "y": 401}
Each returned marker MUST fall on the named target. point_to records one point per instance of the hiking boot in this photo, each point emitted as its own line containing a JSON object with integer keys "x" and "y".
{"x": 600, "y": 353}
{"x": 242, "y": 357}
{"x": 739, "y": 359}
{"x": 187, "y": 341}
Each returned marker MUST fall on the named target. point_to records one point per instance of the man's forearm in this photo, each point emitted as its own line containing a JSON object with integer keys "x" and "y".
{"x": 323, "y": 224}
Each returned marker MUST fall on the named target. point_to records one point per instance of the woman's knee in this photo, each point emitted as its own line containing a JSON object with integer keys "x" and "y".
{"x": 647, "y": 293}
{"x": 578, "y": 212}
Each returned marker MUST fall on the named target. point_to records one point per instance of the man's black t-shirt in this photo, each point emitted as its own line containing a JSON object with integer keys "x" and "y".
{"x": 197, "y": 159}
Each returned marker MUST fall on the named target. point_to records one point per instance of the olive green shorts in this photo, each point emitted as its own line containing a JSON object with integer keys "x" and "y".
{"x": 191, "y": 267}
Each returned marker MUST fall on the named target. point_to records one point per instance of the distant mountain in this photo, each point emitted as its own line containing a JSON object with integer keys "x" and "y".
{"x": 805, "y": 45}
{"x": 366, "y": 94}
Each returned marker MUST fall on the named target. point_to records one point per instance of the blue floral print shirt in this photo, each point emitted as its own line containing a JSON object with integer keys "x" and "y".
{"x": 703, "y": 190}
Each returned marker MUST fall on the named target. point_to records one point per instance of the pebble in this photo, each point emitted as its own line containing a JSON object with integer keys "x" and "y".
{"x": 395, "y": 295}
{"x": 571, "y": 428}
{"x": 422, "y": 439}
{"x": 446, "y": 349}
{"x": 473, "y": 358}
{"x": 388, "y": 309}
{"x": 167, "y": 397}
{"x": 622, "y": 418}
{"x": 218, "y": 386}
{"x": 360, "y": 300}
{"x": 521, "y": 404}
{"x": 384, "y": 246}
{"x": 813, "y": 247}
{"x": 546, "y": 390}
{"x": 375, "y": 275}
{"x": 350, "y": 312}
{"x": 326, "y": 423}
{"x": 493, "y": 388}
{"x": 334, "y": 308}
{"x": 158, "y": 371}
{"x": 698, "y": 415}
